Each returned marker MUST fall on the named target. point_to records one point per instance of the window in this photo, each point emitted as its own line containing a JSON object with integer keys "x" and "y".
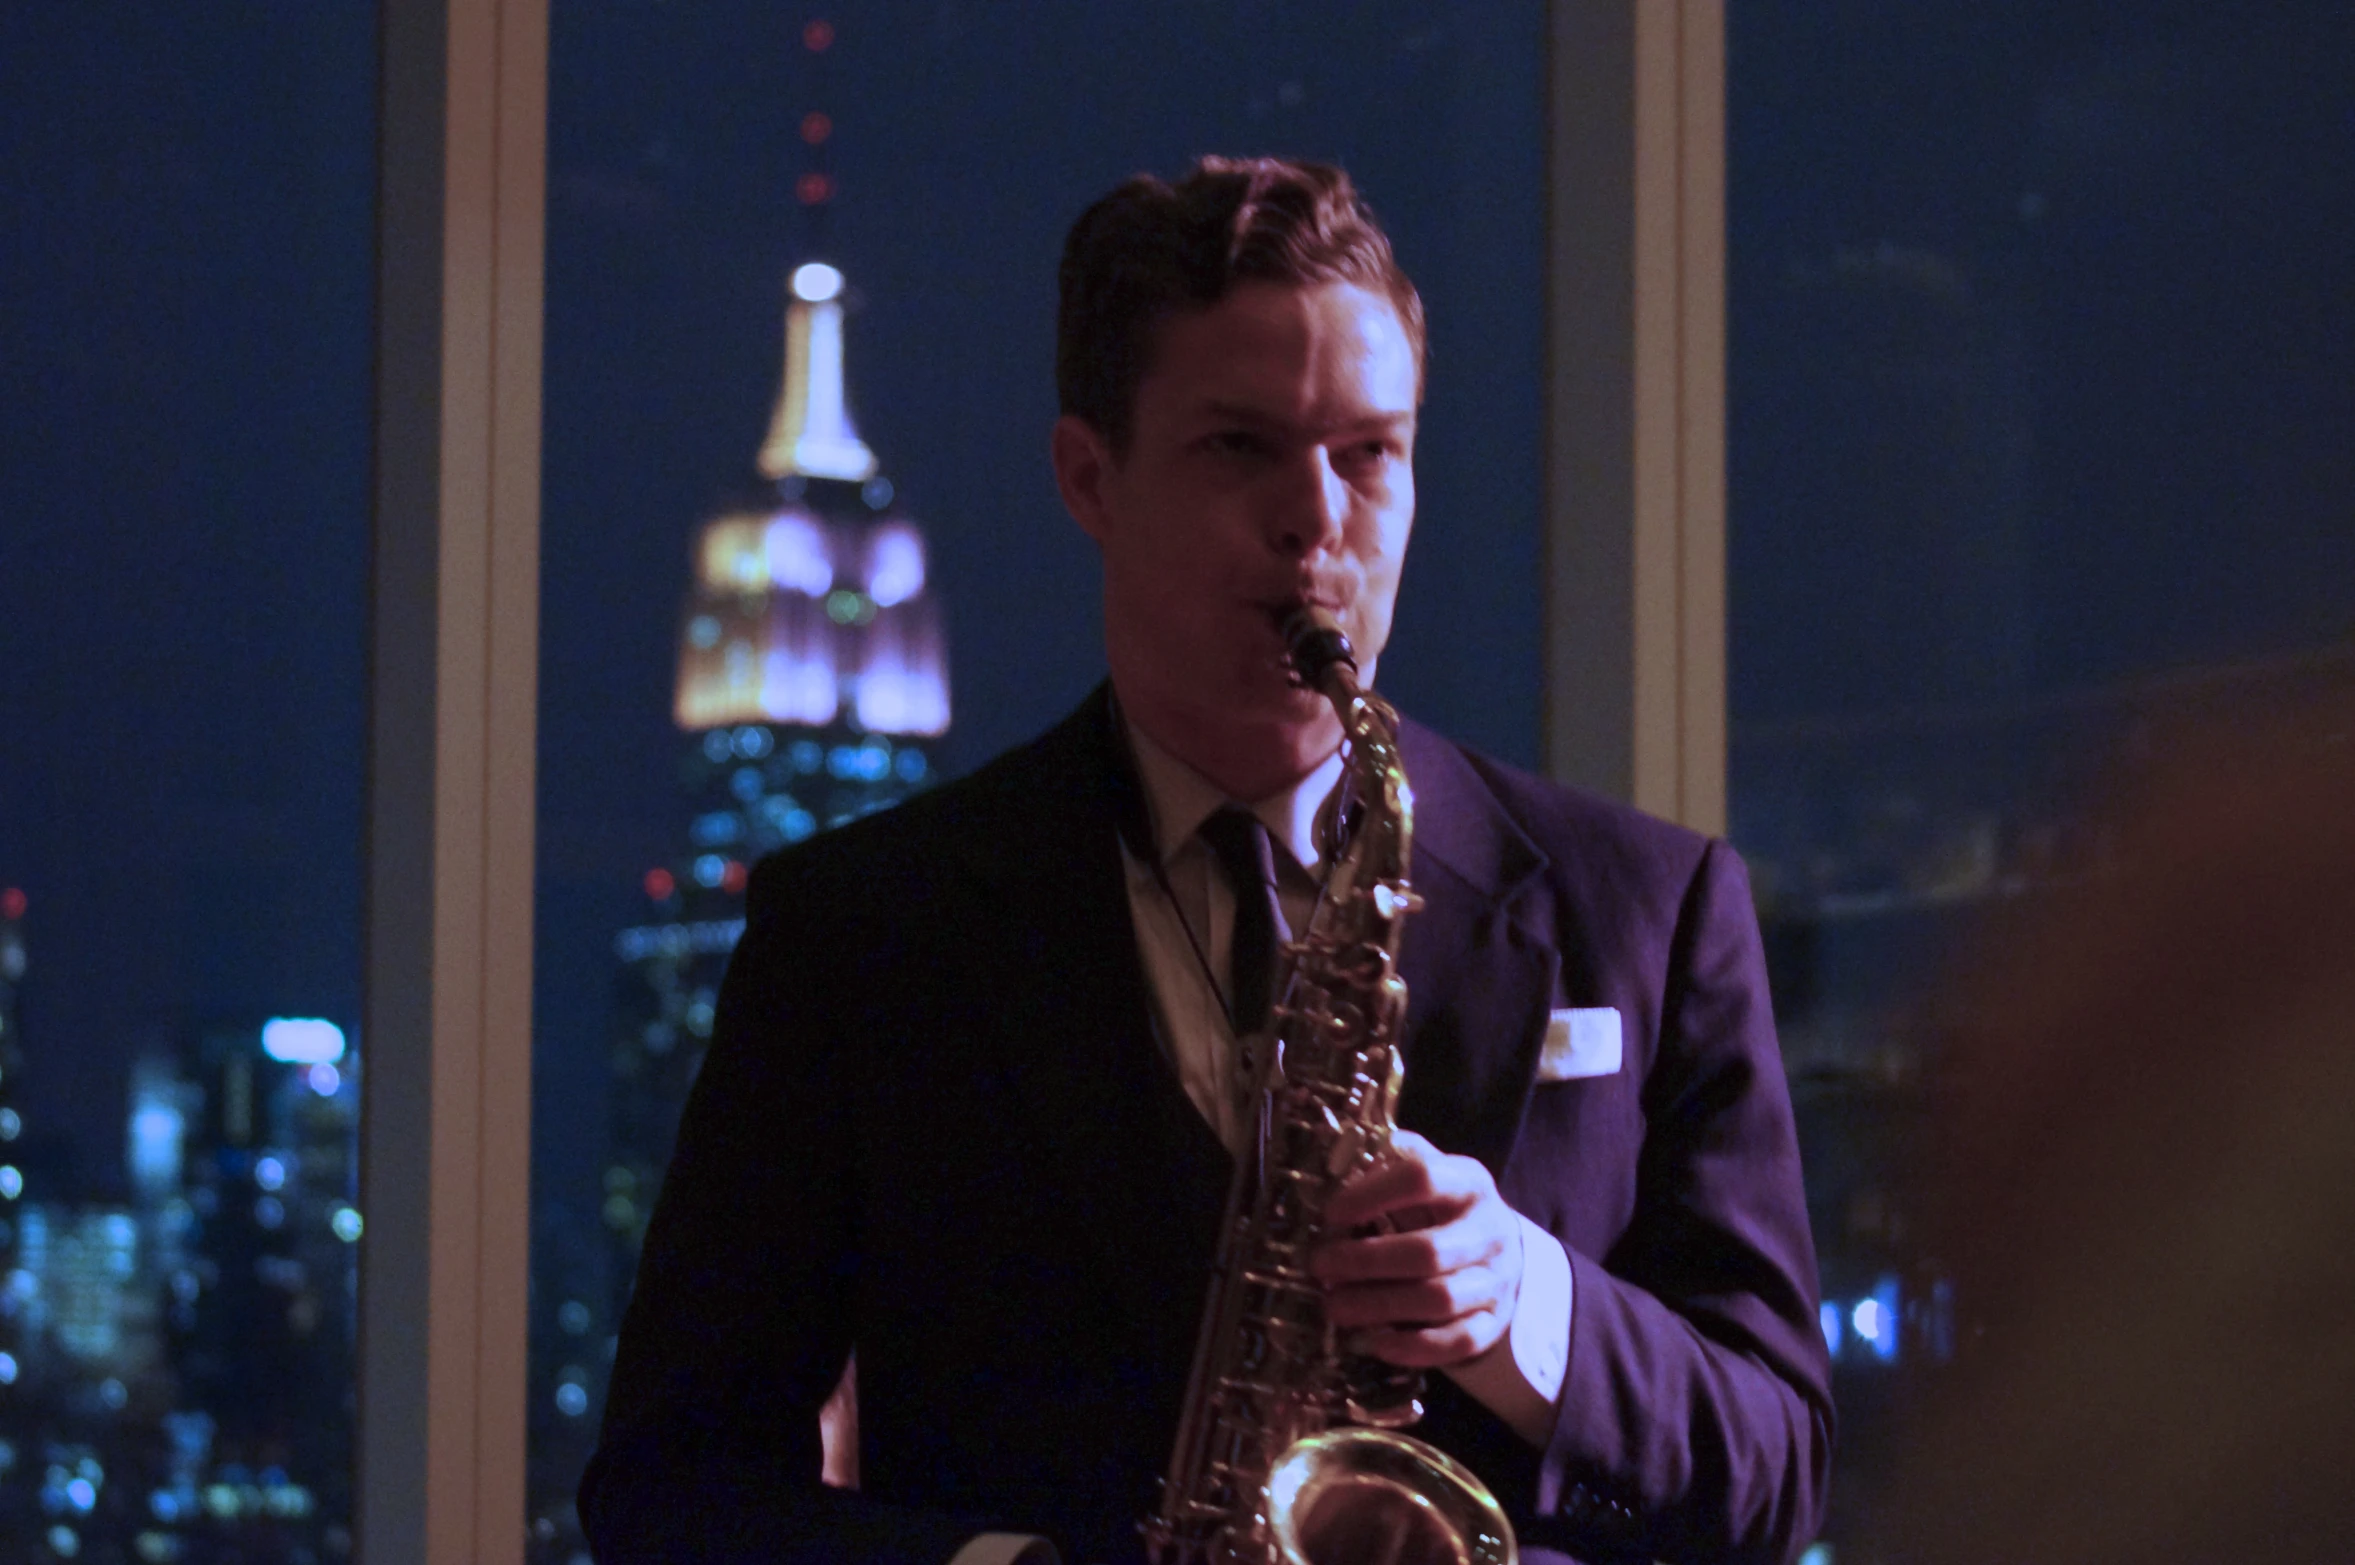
{"x": 802, "y": 549}
{"x": 185, "y": 288}
{"x": 2040, "y": 318}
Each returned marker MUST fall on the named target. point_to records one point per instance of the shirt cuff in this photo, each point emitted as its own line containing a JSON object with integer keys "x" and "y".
{"x": 1006, "y": 1548}
{"x": 1519, "y": 1379}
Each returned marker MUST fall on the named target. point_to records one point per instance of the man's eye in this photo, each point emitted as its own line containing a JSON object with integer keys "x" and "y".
{"x": 1235, "y": 442}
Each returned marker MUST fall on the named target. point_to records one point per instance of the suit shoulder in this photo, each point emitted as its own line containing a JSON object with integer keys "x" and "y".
{"x": 1537, "y": 801}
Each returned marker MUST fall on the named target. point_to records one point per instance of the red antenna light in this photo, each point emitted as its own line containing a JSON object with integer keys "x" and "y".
{"x": 818, "y": 36}
{"x": 12, "y": 903}
{"x": 814, "y": 189}
{"x": 815, "y": 128}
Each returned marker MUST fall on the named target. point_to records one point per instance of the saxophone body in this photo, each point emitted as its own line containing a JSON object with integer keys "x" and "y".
{"x": 1287, "y": 1448}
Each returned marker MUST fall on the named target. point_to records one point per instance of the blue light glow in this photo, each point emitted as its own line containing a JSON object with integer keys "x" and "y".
{"x": 1828, "y": 1316}
{"x": 1876, "y": 1319}
{"x": 716, "y": 829}
{"x": 1868, "y": 1320}
{"x": 302, "y": 1040}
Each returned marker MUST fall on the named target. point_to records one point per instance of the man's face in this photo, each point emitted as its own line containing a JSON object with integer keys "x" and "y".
{"x": 1270, "y": 460}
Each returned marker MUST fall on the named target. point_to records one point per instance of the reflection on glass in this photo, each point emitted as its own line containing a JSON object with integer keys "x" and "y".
{"x": 2039, "y": 317}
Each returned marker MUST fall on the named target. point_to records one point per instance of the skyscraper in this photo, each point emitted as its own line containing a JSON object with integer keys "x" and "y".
{"x": 812, "y": 689}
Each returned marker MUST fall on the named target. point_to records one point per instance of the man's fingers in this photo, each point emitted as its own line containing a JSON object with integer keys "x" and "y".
{"x": 1417, "y": 1174}
{"x": 1425, "y": 1252}
{"x": 1433, "y": 1301}
{"x": 1433, "y": 1347}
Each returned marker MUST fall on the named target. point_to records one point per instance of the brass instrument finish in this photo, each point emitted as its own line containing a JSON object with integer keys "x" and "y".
{"x": 1272, "y": 1461}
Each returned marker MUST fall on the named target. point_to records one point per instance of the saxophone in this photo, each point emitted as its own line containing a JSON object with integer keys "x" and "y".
{"x": 1287, "y": 1449}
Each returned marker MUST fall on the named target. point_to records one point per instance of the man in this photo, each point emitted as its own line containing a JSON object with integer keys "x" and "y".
{"x": 975, "y": 1084}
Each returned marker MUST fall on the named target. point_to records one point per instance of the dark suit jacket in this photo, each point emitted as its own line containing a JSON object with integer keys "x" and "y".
{"x": 934, "y": 1122}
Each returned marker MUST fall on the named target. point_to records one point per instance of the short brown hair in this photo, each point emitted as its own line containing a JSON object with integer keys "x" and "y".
{"x": 1150, "y": 250}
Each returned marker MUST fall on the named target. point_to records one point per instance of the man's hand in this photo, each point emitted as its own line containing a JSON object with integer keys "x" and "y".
{"x": 1441, "y": 1287}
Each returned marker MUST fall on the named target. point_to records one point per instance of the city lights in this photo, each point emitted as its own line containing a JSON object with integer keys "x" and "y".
{"x": 301, "y": 1040}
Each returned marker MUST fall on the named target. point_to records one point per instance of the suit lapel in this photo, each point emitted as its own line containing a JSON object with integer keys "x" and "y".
{"x": 1480, "y": 969}
{"x": 1141, "y": 1177}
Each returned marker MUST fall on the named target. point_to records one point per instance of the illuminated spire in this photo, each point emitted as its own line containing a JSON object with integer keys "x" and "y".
{"x": 810, "y": 436}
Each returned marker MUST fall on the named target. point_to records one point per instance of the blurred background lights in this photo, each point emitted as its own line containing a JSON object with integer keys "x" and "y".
{"x": 346, "y": 1223}
{"x": 11, "y": 1125}
{"x": 571, "y": 1400}
{"x": 895, "y": 571}
{"x": 816, "y": 282}
{"x": 325, "y": 1080}
{"x": 12, "y": 903}
{"x": 64, "y": 1542}
{"x": 1868, "y": 1321}
{"x": 1828, "y": 1316}
{"x": 7, "y": 1369}
{"x": 795, "y": 552}
{"x": 270, "y": 1174}
{"x": 302, "y": 1040}
{"x": 12, "y": 1183}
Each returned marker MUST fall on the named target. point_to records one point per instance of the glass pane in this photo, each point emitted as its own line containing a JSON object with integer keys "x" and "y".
{"x": 765, "y": 611}
{"x": 185, "y": 282}
{"x": 2041, "y": 319}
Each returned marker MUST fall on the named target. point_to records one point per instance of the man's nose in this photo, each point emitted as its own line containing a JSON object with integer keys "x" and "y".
{"x": 1308, "y": 520}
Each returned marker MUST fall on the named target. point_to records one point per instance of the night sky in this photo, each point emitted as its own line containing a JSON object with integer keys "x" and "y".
{"x": 2041, "y": 324}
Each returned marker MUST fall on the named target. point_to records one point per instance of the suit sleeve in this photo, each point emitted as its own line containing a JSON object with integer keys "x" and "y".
{"x": 1695, "y": 1421}
{"x": 741, "y": 1319}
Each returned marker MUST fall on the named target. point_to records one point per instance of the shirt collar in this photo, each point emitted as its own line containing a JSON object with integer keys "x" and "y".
{"x": 1179, "y": 799}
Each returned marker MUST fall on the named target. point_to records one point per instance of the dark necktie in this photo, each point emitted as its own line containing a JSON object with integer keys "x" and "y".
{"x": 1249, "y": 859}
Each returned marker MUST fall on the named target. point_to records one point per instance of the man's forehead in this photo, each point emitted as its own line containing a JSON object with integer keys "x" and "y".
{"x": 1279, "y": 352}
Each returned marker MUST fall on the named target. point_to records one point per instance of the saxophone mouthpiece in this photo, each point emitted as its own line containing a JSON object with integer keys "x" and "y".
{"x": 1313, "y": 643}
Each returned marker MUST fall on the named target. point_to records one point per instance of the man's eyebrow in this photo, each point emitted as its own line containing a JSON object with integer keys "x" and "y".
{"x": 1216, "y": 410}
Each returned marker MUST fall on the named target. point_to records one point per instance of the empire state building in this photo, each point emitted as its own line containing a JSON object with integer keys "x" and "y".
{"x": 812, "y": 688}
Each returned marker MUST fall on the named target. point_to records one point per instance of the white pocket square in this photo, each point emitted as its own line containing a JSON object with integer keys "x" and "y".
{"x": 1580, "y": 1042}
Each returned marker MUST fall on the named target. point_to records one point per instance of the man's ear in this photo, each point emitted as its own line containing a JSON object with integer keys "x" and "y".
{"x": 1083, "y": 465}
